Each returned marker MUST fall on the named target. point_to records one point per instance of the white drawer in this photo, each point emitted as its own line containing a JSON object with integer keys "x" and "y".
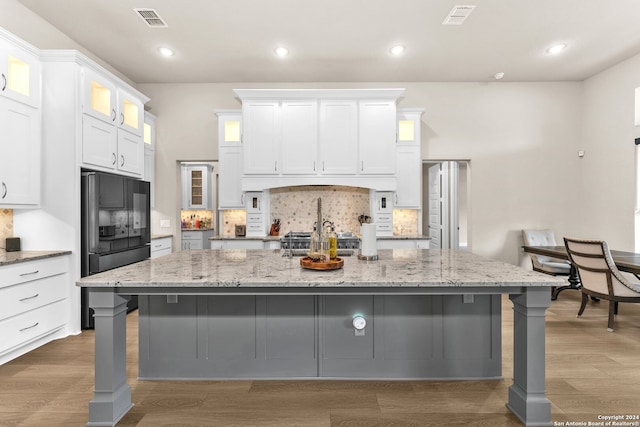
{"x": 33, "y": 270}
{"x": 19, "y": 330}
{"x": 160, "y": 244}
{"x": 192, "y": 235}
{"x": 254, "y": 227}
{"x": 384, "y": 218}
{"x": 384, "y": 226}
{"x": 30, "y": 295}
{"x": 217, "y": 244}
{"x": 253, "y": 218}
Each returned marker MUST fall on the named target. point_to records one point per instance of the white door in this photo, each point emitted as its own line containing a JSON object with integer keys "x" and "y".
{"x": 435, "y": 206}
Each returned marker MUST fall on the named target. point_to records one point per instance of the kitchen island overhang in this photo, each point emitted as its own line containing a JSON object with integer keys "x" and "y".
{"x": 215, "y": 286}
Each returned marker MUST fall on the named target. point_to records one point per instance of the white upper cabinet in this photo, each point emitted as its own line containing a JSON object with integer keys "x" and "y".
{"x": 130, "y": 113}
{"x": 149, "y": 139}
{"x": 20, "y": 124}
{"x": 409, "y": 160}
{"x": 196, "y": 186}
{"x": 318, "y": 137}
{"x": 112, "y": 126}
{"x": 19, "y": 154}
{"x": 230, "y": 161}
{"x": 99, "y": 96}
{"x": 299, "y": 137}
{"x": 261, "y": 137}
{"x": 20, "y": 74}
{"x": 377, "y": 137}
{"x": 338, "y": 137}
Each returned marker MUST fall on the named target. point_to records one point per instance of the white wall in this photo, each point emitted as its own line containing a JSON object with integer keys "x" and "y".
{"x": 521, "y": 139}
{"x": 608, "y": 173}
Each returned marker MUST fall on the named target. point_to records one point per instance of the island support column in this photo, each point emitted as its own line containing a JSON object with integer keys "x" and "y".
{"x": 112, "y": 395}
{"x": 527, "y": 399}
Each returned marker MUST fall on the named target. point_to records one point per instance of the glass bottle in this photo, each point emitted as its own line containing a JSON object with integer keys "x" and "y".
{"x": 324, "y": 242}
{"x": 314, "y": 244}
{"x": 333, "y": 243}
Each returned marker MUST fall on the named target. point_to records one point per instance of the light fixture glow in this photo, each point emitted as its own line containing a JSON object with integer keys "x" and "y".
{"x": 555, "y": 49}
{"x": 166, "y": 52}
{"x": 498, "y": 76}
{"x": 282, "y": 51}
{"x": 397, "y": 50}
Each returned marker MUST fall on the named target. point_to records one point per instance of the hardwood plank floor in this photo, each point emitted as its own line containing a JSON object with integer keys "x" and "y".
{"x": 590, "y": 372}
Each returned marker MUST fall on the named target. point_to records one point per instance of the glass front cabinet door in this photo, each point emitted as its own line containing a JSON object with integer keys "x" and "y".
{"x": 19, "y": 74}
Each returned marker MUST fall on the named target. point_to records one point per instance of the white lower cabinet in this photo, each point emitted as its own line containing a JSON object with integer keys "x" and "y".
{"x": 403, "y": 244}
{"x": 196, "y": 239}
{"x": 33, "y": 304}
{"x": 161, "y": 247}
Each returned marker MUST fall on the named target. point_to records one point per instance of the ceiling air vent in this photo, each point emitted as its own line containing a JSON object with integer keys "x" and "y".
{"x": 458, "y": 14}
{"x": 151, "y": 17}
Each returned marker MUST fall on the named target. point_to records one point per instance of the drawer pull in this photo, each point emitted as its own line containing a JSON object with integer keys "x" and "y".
{"x": 29, "y": 274}
{"x": 30, "y": 327}
{"x": 28, "y": 298}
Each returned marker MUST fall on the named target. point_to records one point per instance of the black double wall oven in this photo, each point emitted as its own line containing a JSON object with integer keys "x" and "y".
{"x": 116, "y": 228}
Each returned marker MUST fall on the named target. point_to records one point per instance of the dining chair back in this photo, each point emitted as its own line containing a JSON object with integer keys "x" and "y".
{"x": 541, "y": 263}
{"x": 599, "y": 276}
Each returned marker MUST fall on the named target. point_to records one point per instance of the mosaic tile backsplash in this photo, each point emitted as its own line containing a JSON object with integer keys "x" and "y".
{"x": 296, "y": 207}
{"x": 6, "y": 225}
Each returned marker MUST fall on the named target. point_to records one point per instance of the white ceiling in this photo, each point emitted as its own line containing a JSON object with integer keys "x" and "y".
{"x": 349, "y": 40}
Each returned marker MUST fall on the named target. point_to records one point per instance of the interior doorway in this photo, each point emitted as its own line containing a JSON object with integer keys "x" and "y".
{"x": 445, "y": 202}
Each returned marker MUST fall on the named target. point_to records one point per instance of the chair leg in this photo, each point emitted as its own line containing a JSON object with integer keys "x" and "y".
{"x": 585, "y": 298}
{"x": 612, "y": 309}
{"x": 615, "y": 310}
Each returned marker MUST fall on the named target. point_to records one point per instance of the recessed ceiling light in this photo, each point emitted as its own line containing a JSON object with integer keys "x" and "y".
{"x": 397, "y": 50}
{"x": 282, "y": 51}
{"x": 557, "y": 48}
{"x": 165, "y": 51}
{"x": 498, "y": 76}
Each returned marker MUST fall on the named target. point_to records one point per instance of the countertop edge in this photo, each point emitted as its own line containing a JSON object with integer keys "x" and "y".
{"x": 9, "y": 258}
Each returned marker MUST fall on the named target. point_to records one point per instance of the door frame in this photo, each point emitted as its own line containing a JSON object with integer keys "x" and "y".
{"x": 457, "y": 195}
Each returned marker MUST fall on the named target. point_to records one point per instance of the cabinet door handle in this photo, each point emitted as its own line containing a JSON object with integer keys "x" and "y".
{"x": 122, "y": 157}
{"x": 396, "y": 198}
{"x": 4, "y": 187}
{"x": 113, "y": 111}
{"x": 121, "y": 118}
{"x": 242, "y": 199}
{"x": 30, "y": 327}
{"x": 314, "y": 165}
{"x": 4, "y": 82}
{"x": 28, "y": 298}
{"x": 30, "y": 273}
{"x": 114, "y": 158}
{"x": 362, "y": 166}
{"x": 275, "y": 168}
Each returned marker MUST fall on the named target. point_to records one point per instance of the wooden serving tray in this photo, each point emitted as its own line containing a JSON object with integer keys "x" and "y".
{"x": 333, "y": 264}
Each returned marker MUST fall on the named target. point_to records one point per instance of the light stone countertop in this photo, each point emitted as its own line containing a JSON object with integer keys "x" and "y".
{"x": 7, "y": 258}
{"x": 405, "y": 268}
{"x": 160, "y": 236}
{"x": 404, "y": 237}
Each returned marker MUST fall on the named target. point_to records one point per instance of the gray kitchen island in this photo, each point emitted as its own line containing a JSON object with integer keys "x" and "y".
{"x": 412, "y": 314}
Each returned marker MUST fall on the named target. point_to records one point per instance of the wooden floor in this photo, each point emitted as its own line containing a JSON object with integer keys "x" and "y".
{"x": 590, "y": 372}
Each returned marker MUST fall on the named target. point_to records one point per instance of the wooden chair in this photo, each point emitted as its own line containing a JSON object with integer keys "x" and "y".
{"x": 599, "y": 276}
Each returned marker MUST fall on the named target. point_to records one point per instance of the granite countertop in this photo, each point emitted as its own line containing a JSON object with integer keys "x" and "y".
{"x": 407, "y": 268}
{"x": 197, "y": 229}
{"x": 160, "y": 236}
{"x": 7, "y": 258}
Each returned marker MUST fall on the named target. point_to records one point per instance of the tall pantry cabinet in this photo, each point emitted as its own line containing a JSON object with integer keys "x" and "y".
{"x": 67, "y": 147}
{"x": 20, "y": 120}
